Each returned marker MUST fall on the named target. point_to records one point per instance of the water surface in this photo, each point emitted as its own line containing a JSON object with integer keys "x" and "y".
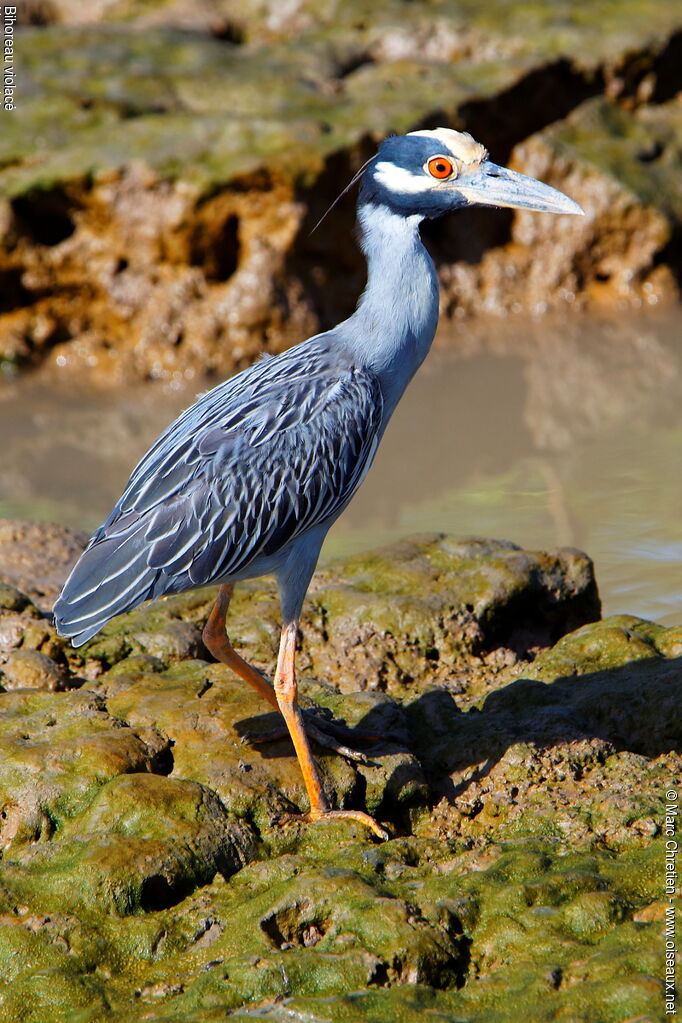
{"x": 545, "y": 433}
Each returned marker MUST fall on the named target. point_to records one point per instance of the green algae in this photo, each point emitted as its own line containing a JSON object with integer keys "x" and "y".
{"x": 639, "y": 149}
{"x": 122, "y": 872}
{"x": 82, "y": 745}
{"x": 146, "y": 870}
{"x": 602, "y": 29}
{"x": 98, "y": 97}
{"x": 448, "y": 601}
{"x": 300, "y": 929}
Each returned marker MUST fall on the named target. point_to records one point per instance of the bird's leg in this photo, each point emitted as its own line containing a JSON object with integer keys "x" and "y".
{"x": 329, "y": 734}
{"x": 286, "y": 692}
{"x": 217, "y": 641}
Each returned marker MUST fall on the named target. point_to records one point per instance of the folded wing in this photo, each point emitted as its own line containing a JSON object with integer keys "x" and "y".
{"x": 251, "y": 466}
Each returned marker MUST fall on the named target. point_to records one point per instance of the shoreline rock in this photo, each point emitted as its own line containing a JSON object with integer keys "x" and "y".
{"x": 161, "y": 227}
{"x": 35, "y": 558}
{"x": 144, "y": 875}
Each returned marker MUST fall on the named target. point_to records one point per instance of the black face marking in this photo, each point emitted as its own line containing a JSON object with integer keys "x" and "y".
{"x": 409, "y": 153}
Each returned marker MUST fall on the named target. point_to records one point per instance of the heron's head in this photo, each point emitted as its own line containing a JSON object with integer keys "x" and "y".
{"x": 429, "y": 173}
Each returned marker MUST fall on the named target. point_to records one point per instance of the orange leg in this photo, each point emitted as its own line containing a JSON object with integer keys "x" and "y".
{"x": 216, "y": 639}
{"x": 329, "y": 734}
{"x": 286, "y": 692}
{"x": 283, "y": 698}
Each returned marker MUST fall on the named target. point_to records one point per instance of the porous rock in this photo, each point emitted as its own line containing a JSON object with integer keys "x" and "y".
{"x": 145, "y": 876}
{"x": 35, "y": 558}
{"x": 127, "y": 257}
{"x": 621, "y": 165}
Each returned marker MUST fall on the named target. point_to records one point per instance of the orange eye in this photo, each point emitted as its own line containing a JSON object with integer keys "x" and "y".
{"x": 440, "y": 167}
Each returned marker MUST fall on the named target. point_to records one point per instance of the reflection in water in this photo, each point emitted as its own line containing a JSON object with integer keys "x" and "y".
{"x": 545, "y": 434}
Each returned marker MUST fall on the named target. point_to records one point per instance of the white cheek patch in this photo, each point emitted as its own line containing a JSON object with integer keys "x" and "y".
{"x": 398, "y": 179}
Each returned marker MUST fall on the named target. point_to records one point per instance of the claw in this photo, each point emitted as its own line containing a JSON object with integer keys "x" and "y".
{"x": 346, "y": 734}
{"x": 329, "y": 734}
{"x": 322, "y": 736}
{"x": 340, "y": 730}
{"x": 274, "y": 735}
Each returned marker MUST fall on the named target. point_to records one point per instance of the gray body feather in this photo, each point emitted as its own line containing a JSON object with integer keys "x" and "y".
{"x": 248, "y": 480}
{"x": 255, "y": 463}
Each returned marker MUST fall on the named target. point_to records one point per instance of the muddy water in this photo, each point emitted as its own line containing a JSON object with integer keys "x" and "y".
{"x": 545, "y": 434}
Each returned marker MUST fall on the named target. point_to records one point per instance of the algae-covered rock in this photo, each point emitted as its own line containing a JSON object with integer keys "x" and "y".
{"x": 145, "y": 874}
{"x": 578, "y": 746}
{"x": 622, "y": 166}
{"x": 159, "y": 185}
{"x": 412, "y": 612}
{"x": 29, "y": 669}
{"x": 58, "y": 749}
{"x": 536, "y": 933}
{"x": 143, "y": 844}
{"x": 214, "y": 721}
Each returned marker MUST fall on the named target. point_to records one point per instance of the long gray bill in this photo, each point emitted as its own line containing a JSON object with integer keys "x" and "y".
{"x": 491, "y": 185}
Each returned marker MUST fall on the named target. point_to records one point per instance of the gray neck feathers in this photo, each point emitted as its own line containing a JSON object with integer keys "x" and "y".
{"x": 392, "y": 329}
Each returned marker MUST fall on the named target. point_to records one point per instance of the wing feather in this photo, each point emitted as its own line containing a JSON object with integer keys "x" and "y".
{"x": 251, "y": 466}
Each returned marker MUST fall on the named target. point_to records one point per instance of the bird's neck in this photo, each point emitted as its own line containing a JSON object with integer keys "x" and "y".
{"x": 396, "y": 318}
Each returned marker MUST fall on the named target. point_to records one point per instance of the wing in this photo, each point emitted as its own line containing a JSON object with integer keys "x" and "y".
{"x": 248, "y": 468}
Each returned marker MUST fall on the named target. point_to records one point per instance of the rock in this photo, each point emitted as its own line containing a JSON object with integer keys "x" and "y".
{"x": 408, "y": 614}
{"x": 35, "y": 558}
{"x": 207, "y": 715}
{"x": 143, "y": 844}
{"x": 145, "y": 877}
{"x": 28, "y": 669}
{"x": 178, "y": 641}
{"x": 19, "y": 617}
{"x": 12, "y": 599}
{"x": 404, "y": 931}
{"x": 578, "y": 746}
{"x": 57, "y": 751}
{"x": 621, "y": 166}
{"x": 122, "y": 261}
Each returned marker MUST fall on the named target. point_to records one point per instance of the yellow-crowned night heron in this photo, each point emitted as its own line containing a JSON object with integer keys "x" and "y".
{"x": 249, "y": 479}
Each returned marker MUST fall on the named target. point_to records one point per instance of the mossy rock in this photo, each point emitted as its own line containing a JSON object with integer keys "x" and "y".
{"x": 416, "y": 609}
{"x": 58, "y": 749}
{"x": 148, "y": 163}
{"x": 576, "y": 746}
{"x": 144, "y": 874}
{"x": 386, "y": 936}
{"x": 144, "y": 843}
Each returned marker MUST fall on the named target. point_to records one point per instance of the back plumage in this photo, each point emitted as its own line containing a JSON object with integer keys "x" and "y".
{"x": 272, "y": 452}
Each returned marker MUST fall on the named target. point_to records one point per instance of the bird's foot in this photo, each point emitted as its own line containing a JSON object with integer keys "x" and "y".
{"x": 328, "y": 734}
{"x": 321, "y": 718}
{"x": 314, "y": 816}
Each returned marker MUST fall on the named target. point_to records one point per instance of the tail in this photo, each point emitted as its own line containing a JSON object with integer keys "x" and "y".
{"x": 111, "y": 576}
